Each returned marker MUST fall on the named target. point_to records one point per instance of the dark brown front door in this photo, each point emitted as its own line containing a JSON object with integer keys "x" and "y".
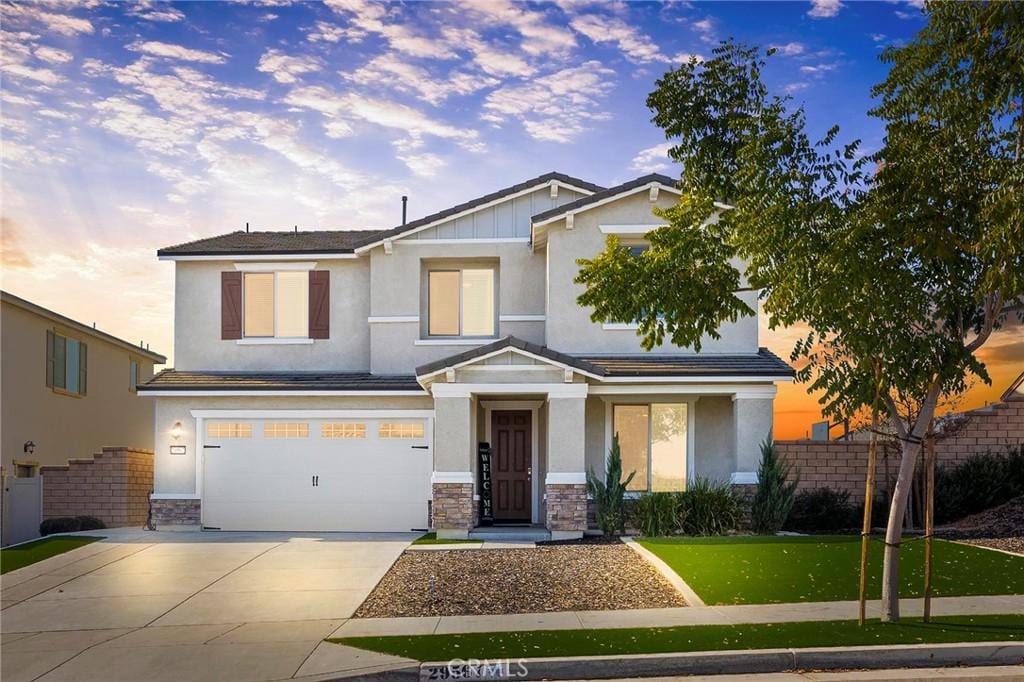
{"x": 511, "y": 465}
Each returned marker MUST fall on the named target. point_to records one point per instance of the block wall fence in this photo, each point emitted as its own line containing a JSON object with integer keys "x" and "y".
{"x": 113, "y": 485}
{"x": 843, "y": 464}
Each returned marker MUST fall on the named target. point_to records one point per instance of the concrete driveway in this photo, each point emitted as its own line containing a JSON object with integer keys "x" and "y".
{"x": 194, "y": 605}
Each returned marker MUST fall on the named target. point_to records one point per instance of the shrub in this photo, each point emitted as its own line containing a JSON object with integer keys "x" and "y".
{"x": 656, "y": 514}
{"x": 979, "y": 483}
{"x": 60, "y": 524}
{"x": 821, "y": 510}
{"x": 90, "y": 523}
{"x": 609, "y": 494}
{"x": 775, "y": 493}
{"x": 708, "y": 508}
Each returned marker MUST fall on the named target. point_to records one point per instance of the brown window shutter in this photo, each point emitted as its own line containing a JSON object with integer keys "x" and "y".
{"x": 231, "y": 305}
{"x": 83, "y": 367}
{"x": 49, "y": 358}
{"x": 319, "y": 304}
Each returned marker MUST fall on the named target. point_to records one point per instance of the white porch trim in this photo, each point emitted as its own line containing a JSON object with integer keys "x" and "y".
{"x": 565, "y": 478}
{"x": 551, "y": 390}
{"x": 311, "y": 414}
{"x": 743, "y": 478}
{"x": 452, "y": 477}
{"x": 271, "y": 266}
{"x": 274, "y": 394}
{"x": 683, "y": 386}
{"x": 508, "y": 349}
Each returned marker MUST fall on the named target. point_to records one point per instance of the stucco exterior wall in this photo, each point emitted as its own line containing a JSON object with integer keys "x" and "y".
{"x": 569, "y": 328}
{"x": 63, "y": 426}
{"x": 396, "y": 289}
{"x": 175, "y": 474}
{"x": 197, "y": 321}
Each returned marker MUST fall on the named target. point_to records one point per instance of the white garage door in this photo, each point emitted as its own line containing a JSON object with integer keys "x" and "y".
{"x": 332, "y": 474}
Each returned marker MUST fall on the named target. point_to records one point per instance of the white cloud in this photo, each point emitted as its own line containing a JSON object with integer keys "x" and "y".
{"x": 706, "y": 29}
{"x": 21, "y": 71}
{"x": 162, "y": 12}
{"x": 63, "y": 24}
{"x": 287, "y": 68}
{"x": 159, "y": 49}
{"x": 558, "y": 107}
{"x": 53, "y": 55}
{"x": 491, "y": 59}
{"x": 637, "y": 47}
{"x": 390, "y": 70}
{"x": 423, "y": 165}
{"x": 540, "y": 37}
{"x": 817, "y": 70}
{"x": 824, "y": 9}
{"x": 369, "y": 17}
{"x": 352, "y": 106}
{"x": 653, "y": 159}
{"x": 793, "y": 88}
{"x": 790, "y": 49}
{"x": 332, "y": 33}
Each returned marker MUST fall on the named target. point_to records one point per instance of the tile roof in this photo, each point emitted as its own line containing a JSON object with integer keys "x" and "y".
{"x": 344, "y": 241}
{"x": 179, "y": 380}
{"x": 604, "y": 194}
{"x": 318, "y": 241}
{"x": 764, "y": 364}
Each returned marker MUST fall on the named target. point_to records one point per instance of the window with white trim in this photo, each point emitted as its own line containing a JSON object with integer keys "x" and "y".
{"x": 275, "y": 304}
{"x": 67, "y": 362}
{"x": 228, "y": 430}
{"x": 343, "y": 430}
{"x": 461, "y": 302}
{"x": 400, "y": 430}
{"x": 653, "y": 443}
{"x": 285, "y": 430}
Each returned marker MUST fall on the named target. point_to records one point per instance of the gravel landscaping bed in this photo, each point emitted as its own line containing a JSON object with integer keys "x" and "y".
{"x": 1001, "y": 527}
{"x": 588, "y": 577}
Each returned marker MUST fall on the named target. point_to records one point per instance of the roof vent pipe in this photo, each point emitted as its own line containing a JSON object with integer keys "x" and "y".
{"x": 247, "y": 227}
{"x": 405, "y": 203}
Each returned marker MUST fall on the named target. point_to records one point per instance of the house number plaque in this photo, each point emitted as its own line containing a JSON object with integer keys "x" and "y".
{"x": 486, "y": 507}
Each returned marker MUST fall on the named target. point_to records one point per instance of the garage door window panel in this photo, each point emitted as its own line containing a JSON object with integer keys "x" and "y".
{"x": 286, "y": 430}
{"x": 343, "y": 430}
{"x": 400, "y": 430}
{"x": 228, "y": 430}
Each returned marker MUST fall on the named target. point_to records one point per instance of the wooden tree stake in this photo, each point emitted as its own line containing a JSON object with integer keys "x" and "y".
{"x": 869, "y": 496}
{"x": 929, "y": 525}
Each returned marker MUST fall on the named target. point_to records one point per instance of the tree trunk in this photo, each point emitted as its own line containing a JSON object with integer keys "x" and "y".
{"x": 910, "y": 448}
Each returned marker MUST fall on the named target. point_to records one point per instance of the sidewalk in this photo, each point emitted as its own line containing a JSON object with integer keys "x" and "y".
{"x": 694, "y": 615}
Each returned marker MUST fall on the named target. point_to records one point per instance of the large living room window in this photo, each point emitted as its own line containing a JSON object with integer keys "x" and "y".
{"x": 652, "y": 440}
{"x": 460, "y": 302}
{"x": 276, "y": 304}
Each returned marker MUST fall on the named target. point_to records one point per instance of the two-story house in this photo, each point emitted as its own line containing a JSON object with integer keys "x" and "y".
{"x": 349, "y": 380}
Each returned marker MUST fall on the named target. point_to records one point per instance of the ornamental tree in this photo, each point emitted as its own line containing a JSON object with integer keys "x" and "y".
{"x": 900, "y": 264}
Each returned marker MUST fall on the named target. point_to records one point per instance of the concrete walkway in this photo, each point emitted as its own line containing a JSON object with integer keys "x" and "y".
{"x": 195, "y": 606}
{"x": 644, "y": 618}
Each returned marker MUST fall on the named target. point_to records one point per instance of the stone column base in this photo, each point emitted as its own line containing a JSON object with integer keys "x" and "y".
{"x": 452, "y": 510}
{"x": 176, "y": 513}
{"x": 566, "y": 510}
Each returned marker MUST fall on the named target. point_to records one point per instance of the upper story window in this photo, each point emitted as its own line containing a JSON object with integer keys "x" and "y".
{"x": 461, "y": 302}
{"x": 66, "y": 364}
{"x": 276, "y": 304}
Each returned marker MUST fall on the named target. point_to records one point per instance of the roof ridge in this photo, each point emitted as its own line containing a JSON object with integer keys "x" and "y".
{"x": 638, "y": 181}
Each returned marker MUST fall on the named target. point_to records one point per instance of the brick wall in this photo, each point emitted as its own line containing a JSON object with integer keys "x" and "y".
{"x": 113, "y": 486}
{"x": 452, "y": 506}
{"x": 843, "y": 464}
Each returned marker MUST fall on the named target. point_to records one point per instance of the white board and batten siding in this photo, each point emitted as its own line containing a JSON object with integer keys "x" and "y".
{"x": 505, "y": 220}
{"x": 326, "y": 474}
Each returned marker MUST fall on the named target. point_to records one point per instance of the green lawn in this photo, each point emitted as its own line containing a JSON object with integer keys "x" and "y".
{"x": 13, "y": 558}
{"x": 491, "y": 645}
{"x": 768, "y": 570}
{"x": 432, "y": 539}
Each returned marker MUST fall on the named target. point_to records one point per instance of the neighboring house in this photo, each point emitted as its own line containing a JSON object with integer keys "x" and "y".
{"x": 68, "y": 389}
{"x": 346, "y": 380}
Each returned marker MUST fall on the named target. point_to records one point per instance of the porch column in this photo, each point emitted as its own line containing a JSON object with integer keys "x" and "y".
{"x": 565, "y": 487}
{"x": 452, "y": 509}
{"x": 752, "y": 424}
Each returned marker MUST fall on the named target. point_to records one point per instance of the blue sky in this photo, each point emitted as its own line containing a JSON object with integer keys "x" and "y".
{"x": 130, "y": 126}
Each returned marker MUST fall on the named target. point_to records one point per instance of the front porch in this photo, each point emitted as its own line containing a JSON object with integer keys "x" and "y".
{"x": 517, "y": 426}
